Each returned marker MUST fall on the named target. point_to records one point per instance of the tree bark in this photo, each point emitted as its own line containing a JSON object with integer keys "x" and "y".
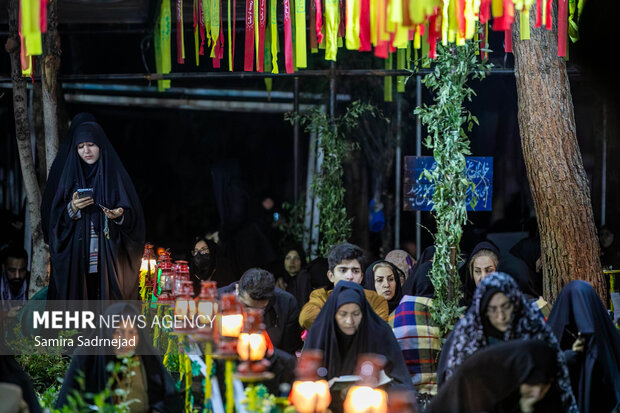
{"x": 38, "y": 266}
{"x": 51, "y": 64}
{"x": 39, "y": 133}
{"x": 558, "y": 182}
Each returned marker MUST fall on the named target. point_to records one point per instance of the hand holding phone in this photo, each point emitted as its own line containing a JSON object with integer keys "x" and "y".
{"x": 78, "y": 202}
{"x": 85, "y": 192}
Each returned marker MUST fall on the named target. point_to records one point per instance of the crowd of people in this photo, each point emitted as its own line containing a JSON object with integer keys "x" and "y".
{"x": 510, "y": 351}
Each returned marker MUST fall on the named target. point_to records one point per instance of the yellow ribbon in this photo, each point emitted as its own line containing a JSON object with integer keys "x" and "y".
{"x": 300, "y": 34}
{"x": 352, "y": 29}
{"x": 332, "y": 20}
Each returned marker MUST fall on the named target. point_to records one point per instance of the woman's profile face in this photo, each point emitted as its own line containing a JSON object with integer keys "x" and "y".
{"x": 292, "y": 262}
{"x": 348, "y": 317}
{"x": 89, "y": 152}
{"x": 385, "y": 283}
{"x": 483, "y": 267}
{"x": 499, "y": 311}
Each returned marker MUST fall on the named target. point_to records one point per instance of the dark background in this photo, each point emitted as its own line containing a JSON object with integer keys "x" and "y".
{"x": 169, "y": 152}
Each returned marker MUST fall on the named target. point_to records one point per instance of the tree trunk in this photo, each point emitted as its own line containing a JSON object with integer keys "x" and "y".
{"x": 38, "y": 267}
{"x": 39, "y": 133}
{"x": 51, "y": 64}
{"x": 559, "y": 185}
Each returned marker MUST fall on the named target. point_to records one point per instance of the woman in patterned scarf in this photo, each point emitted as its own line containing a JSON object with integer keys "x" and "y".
{"x": 500, "y": 312}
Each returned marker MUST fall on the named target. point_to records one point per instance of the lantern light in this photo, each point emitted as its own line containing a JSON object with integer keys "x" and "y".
{"x": 230, "y": 324}
{"x": 206, "y": 308}
{"x": 310, "y": 392}
{"x": 252, "y": 344}
{"x": 365, "y": 397}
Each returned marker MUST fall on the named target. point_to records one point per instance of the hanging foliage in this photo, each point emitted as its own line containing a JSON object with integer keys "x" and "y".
{"x": 445, "y": 121}
{"x": 327, "y": 186}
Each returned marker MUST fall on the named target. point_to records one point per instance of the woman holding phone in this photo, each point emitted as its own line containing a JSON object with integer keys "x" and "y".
{"x": 96, "y": 225}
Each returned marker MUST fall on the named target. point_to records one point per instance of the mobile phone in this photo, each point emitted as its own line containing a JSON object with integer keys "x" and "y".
{"x": 85, "y": 192}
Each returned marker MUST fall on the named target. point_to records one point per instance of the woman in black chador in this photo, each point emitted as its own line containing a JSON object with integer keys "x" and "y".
{"x": 591, "y": 346}
{"x": 96, "y": 237}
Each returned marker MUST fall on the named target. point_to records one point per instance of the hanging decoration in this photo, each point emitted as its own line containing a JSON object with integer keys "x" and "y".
{"x": 381, "y": 26}
{"x": 32, "y": 23}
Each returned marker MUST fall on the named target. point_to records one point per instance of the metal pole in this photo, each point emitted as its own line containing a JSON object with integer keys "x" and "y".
{"x": 604, "y": 171}
{"x": 332, "y": 92}
{"x": 418, "y": 152}
{"x": 296, "y": 141}
{"x": 397, "y": 192}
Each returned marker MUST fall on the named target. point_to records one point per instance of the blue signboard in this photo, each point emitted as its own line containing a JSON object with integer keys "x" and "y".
{"x": 418, "y": 191}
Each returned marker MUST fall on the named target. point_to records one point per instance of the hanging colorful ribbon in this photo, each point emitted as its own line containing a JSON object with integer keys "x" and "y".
{"x": 248, "y": 61}
{"x": 262, "y": 22}
{"x": 365, "y": 44}
{"x": 288, "y": 38}
{"x": 353, "y": 25}
{"x": 332, "y": 21}
{"x": 163, "y": 63}
{"x": 300, "y": 34}
{"x": 180, "y": 37}
{"x": 273, "y": 25}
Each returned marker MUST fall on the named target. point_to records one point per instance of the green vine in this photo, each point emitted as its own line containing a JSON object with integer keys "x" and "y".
{"x": 447, "y": 137}
{"x": 334, "y": 225}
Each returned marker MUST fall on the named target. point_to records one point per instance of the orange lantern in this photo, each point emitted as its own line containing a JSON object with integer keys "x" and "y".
{"x": 230, "y": 324}
{"x": 252, "y": 344}
{"x": 206, "y": 309}
{"x": 365, "y": 397}
{"x": 310, "y": 392}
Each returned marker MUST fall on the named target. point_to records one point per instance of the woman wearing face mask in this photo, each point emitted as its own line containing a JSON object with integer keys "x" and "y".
{"x": 384, "y": 278}
{"x": 516, "y": 376}
{"x": 500, "y": 313}
{"x": 96, "y": 239}
{"x": 346, "y": 327}
{"x": 203, "y": 264}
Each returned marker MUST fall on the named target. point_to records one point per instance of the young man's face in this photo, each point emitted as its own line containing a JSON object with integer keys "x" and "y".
{"x": 347, "y": 270}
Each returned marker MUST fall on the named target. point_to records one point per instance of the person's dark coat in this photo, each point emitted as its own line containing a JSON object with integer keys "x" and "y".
{"x": 421, "y": 285}
{"x": 161, "y": 389}
{"x": 489, "y": 380}
{"x": 528, "y": 249}
{"x": 280, "y": 319}
{"x": 426, "y": 257}
{"x": 121, "y": 242}
{"x": 340, "y": 352}
{"x": 53, "y": 176}
{"x": 243, "y": 239}
{"x": 369, "y": 283}
{"x": 595, "y": 373}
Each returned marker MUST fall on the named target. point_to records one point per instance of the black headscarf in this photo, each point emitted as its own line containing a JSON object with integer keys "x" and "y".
{"x": 578, "y": 309}
{"x": 207, "y": 267}
{"x": 119, "y": 255}
{"x": 373, "y": 336}
{"x": 298, "y": 286}
{"x": 489, "y": 380}
{"x": 426, "y": 257}
{"x": 469, "y": 285}
{"x": 161, "y": 389}
{"x": 421, "y": 285}
{"x": 53, "y": 178}
{"x": 369, "y": 283}
{"x": 528, "y": 249}
{"x": 520, "y": 272}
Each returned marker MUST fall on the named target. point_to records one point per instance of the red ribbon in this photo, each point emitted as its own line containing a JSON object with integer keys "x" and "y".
{"x": 262, "y": 22}
{"x": 313, "y": 40}
{"x": 201, "y": 26}
{"x": 219, "y": 48}
{"x": 288, "y": 38}
{"x": 248, "y": 62}
{"x": 538, "y": 13}
{"x": 179, "y": 15}
{"x": 43, "y": 16}
{"x": 434, "y": 34}
{"x": 460, "y": 16}
{"x": 562, "y": 27}
{"x": 365, "y": 26}
{"x": 549, "y": 14}
{"x": 234, "y": 36}
{"x": 508, "y": 41}
{"x": 485, "y": 11}
{"x": 343, "y": 16}
{"x": 319, "y": 20}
